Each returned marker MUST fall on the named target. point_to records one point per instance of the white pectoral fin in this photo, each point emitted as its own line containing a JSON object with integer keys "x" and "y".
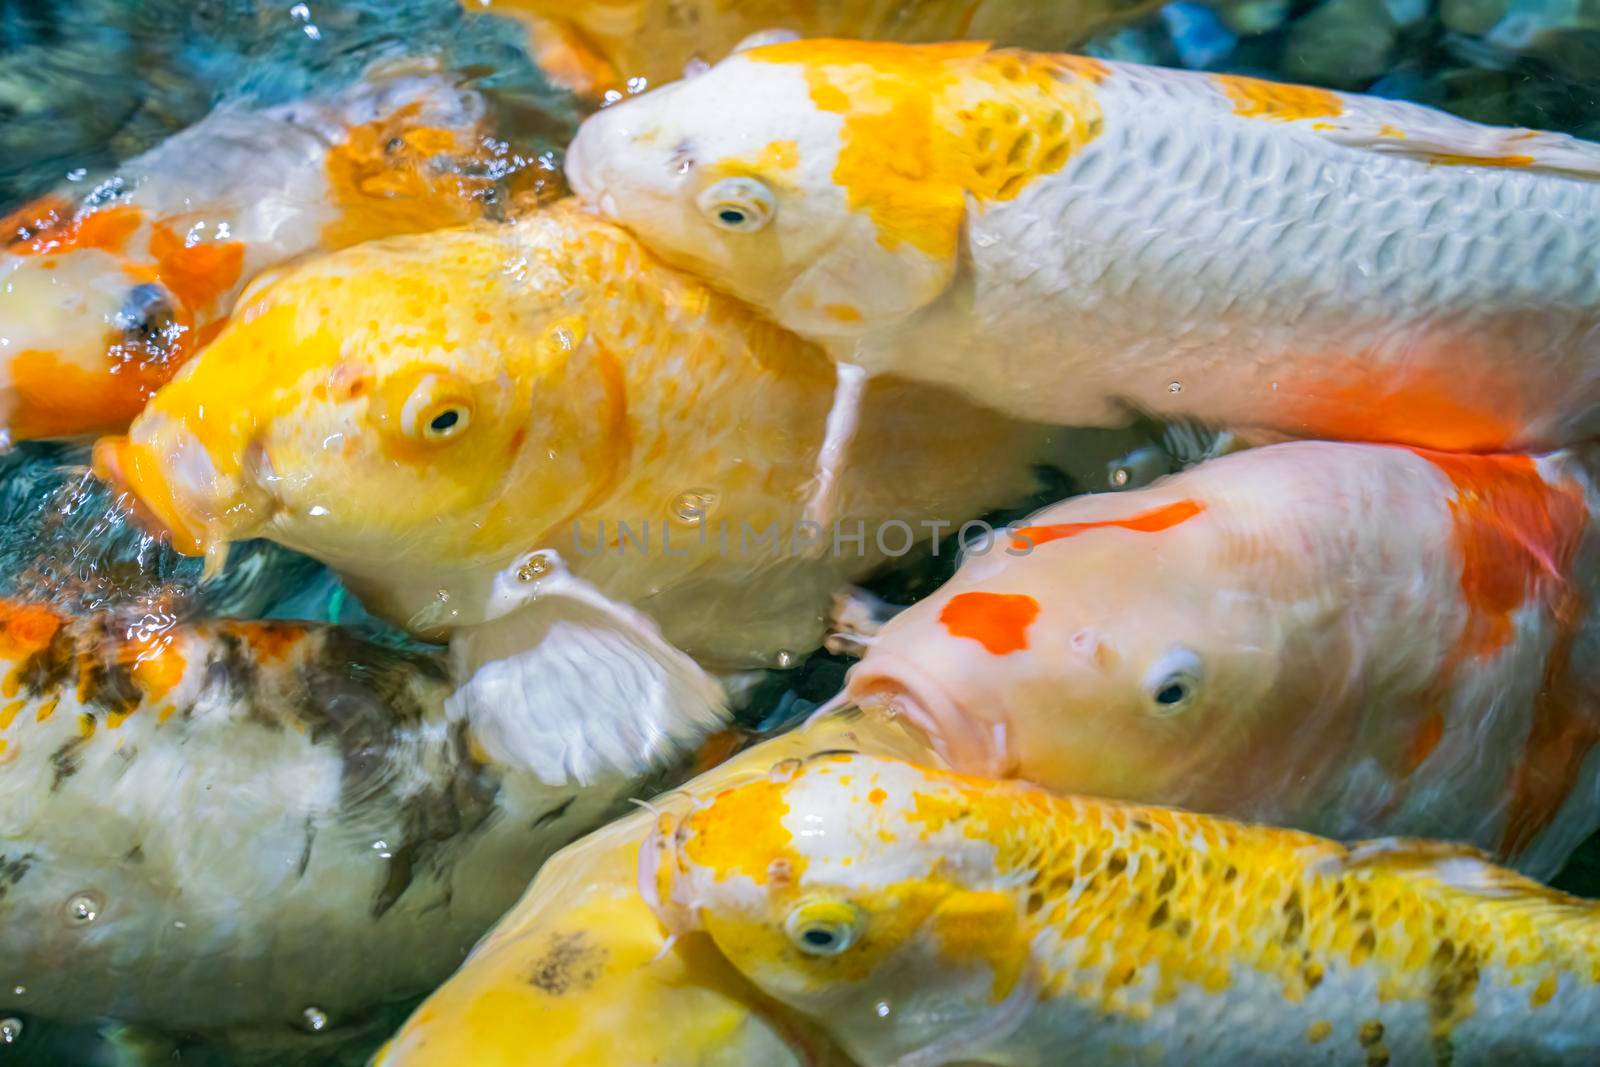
{"x": 573, "y": 686}
{"x": 844, "y": 419}
{"x": 1443, "y": 139}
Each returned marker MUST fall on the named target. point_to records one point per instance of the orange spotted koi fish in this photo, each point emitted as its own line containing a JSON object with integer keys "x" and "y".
{"x": 1355, "y": 640}
{"x": 923, "y": 918}
{"x": 104, "y": 295}
{"x": 1071, "y": 241}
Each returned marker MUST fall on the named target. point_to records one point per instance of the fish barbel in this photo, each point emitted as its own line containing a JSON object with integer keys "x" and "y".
{"x": 104, "y": 294}
{"x": 921, "y": 918}
{"x": 1067, "y": 239}
{"x": 1354, "y": 640}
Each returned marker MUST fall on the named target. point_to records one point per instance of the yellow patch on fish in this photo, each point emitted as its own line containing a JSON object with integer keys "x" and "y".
{"x": 1254, "y": 98}
{"x": 927, "y": 126}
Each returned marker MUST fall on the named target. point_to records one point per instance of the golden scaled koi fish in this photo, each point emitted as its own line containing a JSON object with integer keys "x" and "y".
{"x": 191, "y": 810}
{"x": 575, "y": 969}
{"x": 596, "y": 44}
{"x": 1355, "y": 640}
{"x": 542, "y": 410}
{"x": 1065, "y": 239}
{"x": 923, "y": 918}
{"x": 104, "y": 294}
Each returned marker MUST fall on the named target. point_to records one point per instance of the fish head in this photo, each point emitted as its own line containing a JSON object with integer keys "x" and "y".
{"x": 849, "y": 888}
{"x": 397, "y": 410}
{"x": 795, "y": 176}
{"x": 96, "y": 312}
{"x": 1094, "y": 656}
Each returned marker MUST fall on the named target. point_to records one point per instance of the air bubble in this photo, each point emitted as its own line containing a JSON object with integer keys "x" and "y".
{"x": 10, "y": 1030}
{"x": 785, "y": 659}
{"x": 1174, "y": 387}
{"x": 694, "y": 505}
{"x": 534, "y": 569}
{"x": 84, "y": 908}
{"x": 314, "y": 1019}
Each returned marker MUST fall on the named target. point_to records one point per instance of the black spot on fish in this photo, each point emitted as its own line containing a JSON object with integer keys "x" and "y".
{"x": 569, "y": 964}
{"x": 134, "y": 855}
{"x": 1159, "y": 916}
{"x": 67, "y": 760}
{"x": 13, "y": 870}
{"x": 46, "y": 671}
{"x": 305, "y": 850}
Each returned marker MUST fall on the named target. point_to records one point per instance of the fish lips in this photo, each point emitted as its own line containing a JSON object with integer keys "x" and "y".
{"x": 967, "y": 744}
{"x": 176, "y": 490}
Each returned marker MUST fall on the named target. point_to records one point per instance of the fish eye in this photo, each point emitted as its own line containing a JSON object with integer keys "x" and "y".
{"x": 437, "y": 410}
{"x": 823, "y": 928}
{"x": 743, "y": 205}
{"x": 147, "y": 312}
{"x": 1173, "y": 683}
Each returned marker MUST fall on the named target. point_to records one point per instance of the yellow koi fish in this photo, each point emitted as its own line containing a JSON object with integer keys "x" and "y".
{"x": 924, "y": 918}
{"x": 104, "y": 294}
{"x": 568, "y": 976}
{"x": 540, "y": 413}
{"x": 1066, "y": 239}
{"x": 1355, "y": 640}
{"x": 187, "y": 811}
{"x": 595, "y": 44}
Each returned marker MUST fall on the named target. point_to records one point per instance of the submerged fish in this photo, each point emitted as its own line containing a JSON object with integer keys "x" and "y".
{"x": 236, "y": 824}
{"x": 542, "y": 405}
{"x": 581, "y": 960}
{"x": 1351, "y": 639}
{"x": 1068, "y": 240}
{"x": 923, "y": 918}
{"x": 596, "y": 43}
{"x": 103, "y": 295}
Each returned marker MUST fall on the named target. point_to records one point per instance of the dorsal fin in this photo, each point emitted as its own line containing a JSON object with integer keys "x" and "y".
{"x": 1461, "y": 867}
{"x": 1443, "y": 140}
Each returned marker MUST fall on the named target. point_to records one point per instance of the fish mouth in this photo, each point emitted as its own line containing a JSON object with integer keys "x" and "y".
{"x": 583, "y": 171}
{"x": 968, "y": 744}
{"x": 176, "y": 491}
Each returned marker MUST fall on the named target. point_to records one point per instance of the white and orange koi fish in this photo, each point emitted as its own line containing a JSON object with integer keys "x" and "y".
{"x": 104, "y": 295}
{"x": 1355, "y": 640}
{"x": 1066, "y": 239}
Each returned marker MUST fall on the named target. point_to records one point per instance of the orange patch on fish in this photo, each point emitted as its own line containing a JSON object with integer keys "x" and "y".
{"x": 1516, "y": 535}
{"x": 1446, "y": 411}
{"x": 32, "y": 219}
{"x": 997, "y": 621}
{"x": 57, "y": 398}
{"x": 925, "y": 126}
{"x": 196, "y": 273}
{"x": 1153, "y": 521}
{"x": 107, "y": 229}
{"x": 384, "y": 180}
{"x": 741, "y": 832}
{"x": 1429, "y": 733}
{"x": 26, "y": 629}
{"x": 1480, "y": 161}
{"x": 1255, "y": 98}
{"x": 270, "y": 641}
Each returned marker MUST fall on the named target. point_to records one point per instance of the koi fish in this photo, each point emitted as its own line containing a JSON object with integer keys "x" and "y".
{"x": 454, "y": 418}
{"x": 188, "y": 810}
{"x": 595, "y": 45}
{"x": 104, "y": 294}
{"x": 581, "y": 959}
{"x": 921, "y": 918}
{"x": 1355, "y": 640}
{"x": 1069, "y": 240}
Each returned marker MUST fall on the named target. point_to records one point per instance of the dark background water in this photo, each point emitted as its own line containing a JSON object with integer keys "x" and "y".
{"x": 87, "y": 83}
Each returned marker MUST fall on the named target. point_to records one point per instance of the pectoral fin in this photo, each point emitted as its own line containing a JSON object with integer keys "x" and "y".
{"x": 575, "y": 687}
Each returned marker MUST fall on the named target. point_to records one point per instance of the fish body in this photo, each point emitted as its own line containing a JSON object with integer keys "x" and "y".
{"x": 922, "y": 918}
{"x": 1355, "y": 640}
{"x": 1068, "y": 239}
{"x": 420, "y": 412}
{"x": 225, "y": 824}
{"x": 581, "y": 959}
{"x": 604, "y": 44}
{"x": 104, "y": 293}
